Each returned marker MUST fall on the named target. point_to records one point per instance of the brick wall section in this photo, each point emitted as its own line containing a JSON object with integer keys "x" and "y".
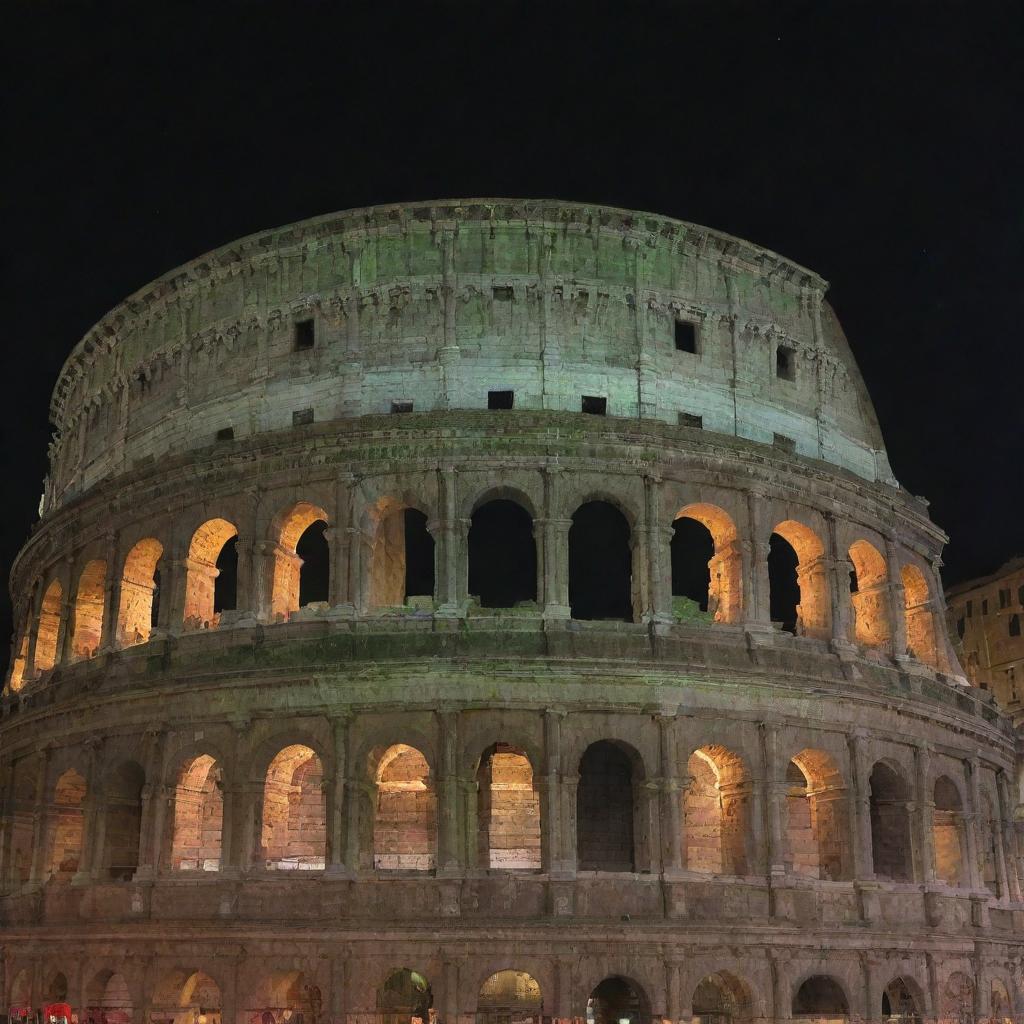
{"x": 294, "y": 815}
{"x": 88, "y": 611}
{"x": 405, "y": 826}
{"x": 198, "y": 817}
{"x": 67, "y": 825}
{"x": 509, "y": 813}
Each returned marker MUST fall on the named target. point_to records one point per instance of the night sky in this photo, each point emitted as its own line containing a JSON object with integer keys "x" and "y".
{"x": 878, "y": 145}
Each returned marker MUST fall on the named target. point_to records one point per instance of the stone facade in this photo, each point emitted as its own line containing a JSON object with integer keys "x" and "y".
{"x": 359, "y": 673}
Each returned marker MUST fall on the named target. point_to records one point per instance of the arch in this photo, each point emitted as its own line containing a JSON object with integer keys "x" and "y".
{"x": 405, "y": 819}
{"x": 123, "y": 820}
{"x": 890, "y": 824}
{"x": 49, "y": 627}
{"x": 919, "y": 616}
{"x": 285, "y": 997}
{"x": 140, "y": 592}
{"x": 17, "y": 677}
{"x": 902, "y": 1001}
{"x": 107, "y": 999}
{"x": 618, "y": 1000}
{"x": 210, "y": 581}
{"x": 186, "y": 996}
{"x": 56, "y": 990}
{"x": 405, "y": 995}
{"x": 869, "y": 584}
{"x": 298, "y": 580}
{"x": 722, "y": 998}
{"x": 716, "y": 812}
{"x": 956, "y": 999}
{"x": 719, "y": 574}
{"x": 502, "y": 555}
{"x": 816, "y": 816}
{"x": 21, "y": 989}
{"x": 20, "y": 832}
{"x": 87, "y": 613}
{"x": 66, "y": 825}
{"x": 798, "y": 585}
{"x": 820, "y": 995}
{"x": 948, "y": 835}
{"x": 294, "y": 832}
{"x": 606, "y": 831}
{"x": 1000, "y": 1005}
{"x": 401, "y": 557}
{"x": 509, "y": 995}
{"x": 508, "y": 811}
{"x": 600, "y": 563}
{"x": 198, "y": 816}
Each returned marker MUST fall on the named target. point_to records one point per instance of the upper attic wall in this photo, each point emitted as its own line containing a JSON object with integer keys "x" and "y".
{"x": 439, "y": 303}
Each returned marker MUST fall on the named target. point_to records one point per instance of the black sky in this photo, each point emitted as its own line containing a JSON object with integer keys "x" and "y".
{"x": 878, "y": 145}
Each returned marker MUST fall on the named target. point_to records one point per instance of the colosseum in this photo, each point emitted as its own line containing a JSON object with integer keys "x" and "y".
{"x": 492, "y": 612}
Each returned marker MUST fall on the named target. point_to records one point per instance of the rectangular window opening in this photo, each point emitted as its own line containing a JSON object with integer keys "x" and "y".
{"x": 500, "y": 399}
{"x": 689, "y": 419}
{"x": 502, "y": 293}
{"x": 305, "y": 335}
{"x": 785, "y": 363}
{"x": 402, "y": 406}
{"x": 226, "y": 434}
{"x": 984, "y": 606}
{"x": 594, "y": 405}
{"x": 301, "y": 417}
{"x": 686, "y": 336}
{"x": 787, "y": 444}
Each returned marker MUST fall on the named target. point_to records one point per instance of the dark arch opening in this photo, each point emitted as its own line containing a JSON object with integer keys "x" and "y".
{"x": 890, "y": 824}
{"x": 419, "y": 555}
{"x": 782, "y": 582}
{"x": 404, "y": 995}
{"x": 315, "y": 572}
{"x": 821, "y": 996}
{"x": 604, "y": 809}
{"x": 600, "y": 563}
{"x": 123, "y": 826}
{"x": 615, "y": 1001}
{"x": 692, "y": 548}
{"x": 225, "y": 586}
{"x": 898, "y": 1002}
{"x": 502, "y": 555}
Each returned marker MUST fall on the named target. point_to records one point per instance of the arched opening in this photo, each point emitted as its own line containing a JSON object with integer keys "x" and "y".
{"x": 48, "y": 628}
{"x": 123, "y": 825}
{"x": 184, "y": 997}
{"x": 405, "y": 823}
{"x": 140, "y": 589}
{"x": 600, "y": 563}
{"x": 816, "y": 819}
{"x": 869, "y": 595}
{"x": 211, "y": 580}
{"x": 617, "y": 1001}
{"x": 948, "y": 832}
{"x": 919, "y": 615}
{"x": 890, "y": 825}
{"x": 300, "y": 577}
{"x": 605, "y": 809}
{"x": 706, "y": 564}
{"x": 957, "y": 999}
{"x": 67, "y": 822}
{"x": 198, "y": 816}
{"x": 87, "y": 614}
{"x": 799, "y": 592}
{"x": 404, "y": 997}
{"x": 21, "y": 993}
{"x": 509, "y": 811}
{"x": 509, "y": 996}
{"x": 502, "y": 555}
{"x": 294, "y": 835}
{"x": 17, "y": 676}
{"x": 716, "y": 812}
{"x": 17, "y": 864}
{"x": 108, "y": 999}
{"x": 1000, "y": 1007}
{"x": 821, "y": 997}
{"x": 401, "y": 557}
{"x": 721, "y": 999}
{"x": 285, "y": 997}
{"x": 898, "y": 1003}
{"x": 56, "y": 989}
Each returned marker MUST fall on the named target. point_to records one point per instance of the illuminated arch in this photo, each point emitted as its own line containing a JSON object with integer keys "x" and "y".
{"x": 871, "y": 609}
{"x": 87, "y": 612}
{"x": 139, "y": 588}
{"x": 49, "y": 627}
{"x": 204, "y": 551}
{"x": 290, "y": 527}
{"x": 724, "y": 586}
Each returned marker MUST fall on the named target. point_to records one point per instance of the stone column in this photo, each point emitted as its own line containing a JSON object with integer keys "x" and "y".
{"x": 754, "y": 555}
{"x": 816, "y": 578}
{"x": 1007, "y": 872}
{"x": 355, "y": 783}
{"x": 92, "y": 815}
{"x": 39, "y": 818}
{"x": 897, "y": 599}
{"x": 925, "y": 815}
{"x": 336, "y": 797}
{"x": 447, "y": 555}
{"x": 65, "y": 627}
{"x": 448, "y": 803}
{"x": 35, "y": 606}
{"x": 678, "y": 1007}
{"x": 555, "y": 529}
{"x": 6, "y": 825}
{"x": 262, "y": 580}
{"x": 111, "y": 595}
{"x": 863, "y": 867}
{"x": 972, "y": 823}
{"x": 451, "y": 992}
{"x": 551, "y": 819}
{"x": 154, "y": 806}
{"x": 659, "y": 555}
{"x": 340, "y": 542}
{"x": 774, "y": 849}
{"x": 564, "y": 989}
{"x": 671, "y": 810}
{"x": 839, "y": 586}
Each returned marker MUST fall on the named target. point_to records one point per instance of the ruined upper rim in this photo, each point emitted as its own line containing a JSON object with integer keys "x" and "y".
{"x": 442, "y": 212}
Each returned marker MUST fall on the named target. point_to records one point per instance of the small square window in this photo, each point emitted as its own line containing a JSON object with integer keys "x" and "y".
{"x": 1004, "y": 598}
{"x": 689, "y": 419}
{"x": 787, "y": 444}
{"x": 785, "y": 363}
{"x": 226, "y": 434}
{"x": 970, "y": 609}
{"x": 301, "y": 417}
{"x": 984, "y": 606}
{"x": 502, "y": 294}
{"x": 686, "y": 336}
{"x": 500, "y": 399}
{"x": 401, "y": 406}
{"x": 595, "y": 405}
{"x": 305, "y": 335}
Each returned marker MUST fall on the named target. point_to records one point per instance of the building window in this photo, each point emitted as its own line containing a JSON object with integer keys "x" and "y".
{"x": 1020, "y": 594}
{"x": 305, "y": 335}
{"x": 960, "y": 627}
{"x": 1011, "y": 685}
{"x": 689, "y": 419}
{"x": 785, "y": 363}
{"x": 984, "y": 606}
{"x": 401, "y": 406}
{"x": 594, "y": 405}
{"x": 301, "y": 417}
{"x": 500, "y": 399}
{"x": 970, "y": 609}
{"x": 686, "y": 336}
{"x": 226, "y": 434}
{"x": 787, "y": 444}
{"x": 1004, "y": 598}
{"x": 1015, "y": 625}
